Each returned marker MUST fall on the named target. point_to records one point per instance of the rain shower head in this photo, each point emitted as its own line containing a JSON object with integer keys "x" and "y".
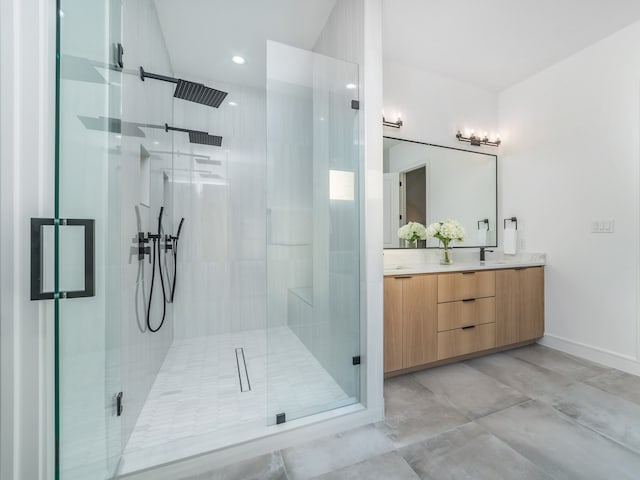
{"x": 190, "y": 91}
{"x": 195, "y": 136}
{"x": 203, "y": 138}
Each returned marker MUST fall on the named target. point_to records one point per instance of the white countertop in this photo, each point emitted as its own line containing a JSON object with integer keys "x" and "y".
{"x": 405, "y": 264}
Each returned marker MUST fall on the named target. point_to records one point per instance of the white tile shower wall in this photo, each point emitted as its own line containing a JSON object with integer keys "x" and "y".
{"x": 557, "y": 185}
{"x": 289, "y": 177}
{"x": 220, "y": 191}
{"x": 148, "y": 102}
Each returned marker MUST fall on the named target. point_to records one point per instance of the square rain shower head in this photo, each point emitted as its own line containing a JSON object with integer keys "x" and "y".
{"x": 203, "y": 138}
{"x": 199, "y": 93}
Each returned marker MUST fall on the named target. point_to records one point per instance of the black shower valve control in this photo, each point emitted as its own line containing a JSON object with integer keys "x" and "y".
{"x": 168, "y": 242}
{"x": 143, "y": 248}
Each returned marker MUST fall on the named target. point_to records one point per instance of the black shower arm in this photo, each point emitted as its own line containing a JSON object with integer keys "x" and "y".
{"x": 167, "y": 128}
{"x": 155, "y": 76}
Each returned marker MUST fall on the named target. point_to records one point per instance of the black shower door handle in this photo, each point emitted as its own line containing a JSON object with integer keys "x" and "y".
{"x": 37, "y": 258}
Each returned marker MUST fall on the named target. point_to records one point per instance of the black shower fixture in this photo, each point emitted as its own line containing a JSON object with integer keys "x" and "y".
{"x": 172, "y": 244}
{"x": 195, "y": 136}
{"x": 156, "y": 240}
{"x": 190, "y": 91}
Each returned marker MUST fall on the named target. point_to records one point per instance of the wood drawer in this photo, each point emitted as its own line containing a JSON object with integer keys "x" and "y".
{"x": 461, "y": 341}
{"x": 453, "y": 315}
{"x": 465, "y": 285}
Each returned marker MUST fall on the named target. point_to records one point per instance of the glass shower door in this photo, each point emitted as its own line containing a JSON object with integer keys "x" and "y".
{"x": 313, "y": 241}
{"x": 86, "y": 229}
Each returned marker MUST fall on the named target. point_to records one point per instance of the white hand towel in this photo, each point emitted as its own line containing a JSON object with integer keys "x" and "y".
{"x": 510, "y": 241}
{"x": 482, "y": 237}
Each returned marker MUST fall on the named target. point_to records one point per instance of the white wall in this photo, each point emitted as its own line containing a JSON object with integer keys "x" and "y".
{"x": 221, "y": 285}
{"x": 290, "y": 178}
{"x": 434, "y": 107}
{"x": 27, "y": 46}
{"x": 570, "y": 156}
{"x": 148, "y": 102}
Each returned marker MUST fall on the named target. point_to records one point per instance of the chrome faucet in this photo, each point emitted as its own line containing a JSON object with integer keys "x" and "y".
{"x": 482, "y": 251}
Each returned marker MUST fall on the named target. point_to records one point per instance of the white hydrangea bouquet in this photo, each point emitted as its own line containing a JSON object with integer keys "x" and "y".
{"x": 446, "y": 231}
{"x": 412, "y": 232}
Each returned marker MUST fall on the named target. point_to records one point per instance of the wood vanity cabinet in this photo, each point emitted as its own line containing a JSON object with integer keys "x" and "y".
{"x": 435, "y": 317}
{"x": 410, "y": 320}
{"x": 519, "y": 305}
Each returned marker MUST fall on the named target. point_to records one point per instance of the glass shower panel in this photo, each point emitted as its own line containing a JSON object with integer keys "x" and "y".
{"x": 87, "y": 189}
{"x": 313, "y": 244}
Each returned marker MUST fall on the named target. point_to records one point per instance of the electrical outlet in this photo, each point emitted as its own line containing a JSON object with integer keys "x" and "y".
{"x": 603, "y": 226}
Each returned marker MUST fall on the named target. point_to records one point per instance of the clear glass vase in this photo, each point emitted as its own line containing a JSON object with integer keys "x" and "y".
{"x": 445, "y": 256}
{"x": 412, "y": 243}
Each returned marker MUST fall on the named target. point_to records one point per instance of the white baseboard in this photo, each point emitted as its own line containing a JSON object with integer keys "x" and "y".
{"x": 281, "y": 439}
{"x": 608, "y": 358}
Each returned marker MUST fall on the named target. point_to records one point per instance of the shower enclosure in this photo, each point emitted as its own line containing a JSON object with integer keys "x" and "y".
{"x": 263, "y": 325}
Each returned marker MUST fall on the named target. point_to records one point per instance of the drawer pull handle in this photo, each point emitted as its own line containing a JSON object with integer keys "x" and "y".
{"x": 469, "y": 300}
{"x": 469, "y": 327}
{"x": 468, "y": 273}
{"x": 404, "y": 276}
{"x": 520, "y": 268}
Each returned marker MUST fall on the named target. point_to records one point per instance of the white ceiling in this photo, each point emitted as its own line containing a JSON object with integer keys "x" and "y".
{"x": 497, "y": 43}
{"x": 489, "y": 43}
{"x": 203, "y": 35}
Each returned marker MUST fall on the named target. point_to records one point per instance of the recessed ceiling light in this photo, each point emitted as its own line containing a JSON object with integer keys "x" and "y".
{"x": 233, "y": 104}
{"x": 238, "y": 59}
{"x": 351, "y": 86}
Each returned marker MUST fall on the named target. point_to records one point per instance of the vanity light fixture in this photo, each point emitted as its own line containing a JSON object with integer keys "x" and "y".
{"x": 478, "y": 140}
{"x": 397, "y": 124}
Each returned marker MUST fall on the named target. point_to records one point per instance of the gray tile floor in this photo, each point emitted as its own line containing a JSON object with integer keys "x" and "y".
{"x": 530, "y": 413}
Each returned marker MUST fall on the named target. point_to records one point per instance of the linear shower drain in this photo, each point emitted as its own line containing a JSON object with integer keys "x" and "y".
{"x": 243, "y": 374}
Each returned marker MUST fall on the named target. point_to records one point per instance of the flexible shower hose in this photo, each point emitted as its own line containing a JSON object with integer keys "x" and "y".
{"x": 156, "y": 248}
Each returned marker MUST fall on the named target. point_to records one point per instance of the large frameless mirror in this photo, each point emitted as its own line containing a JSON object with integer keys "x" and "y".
{"x": 427, "y": 183}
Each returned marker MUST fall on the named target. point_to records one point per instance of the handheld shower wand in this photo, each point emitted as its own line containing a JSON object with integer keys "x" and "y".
{"x": 174, "y": 248}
